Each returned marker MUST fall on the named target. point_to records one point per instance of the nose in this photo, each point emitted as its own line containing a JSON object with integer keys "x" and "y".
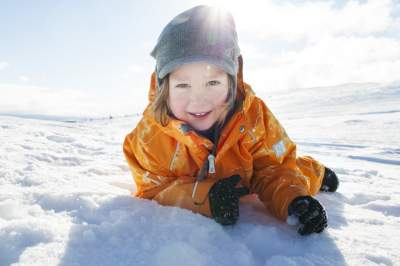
{"x": 199, "y": 95}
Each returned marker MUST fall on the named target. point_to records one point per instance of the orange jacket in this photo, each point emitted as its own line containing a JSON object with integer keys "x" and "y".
{"x": 166, "y": 160}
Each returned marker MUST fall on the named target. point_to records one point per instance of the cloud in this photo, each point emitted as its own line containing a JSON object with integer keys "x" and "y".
{"x": 354, "y": 60}
{"x": 58, "y": 102}
{"x": 24, "y": 78}
{"x": 3, "y": 65}
{"x": 313, "y": 19}
{"x": 291, "y": 44}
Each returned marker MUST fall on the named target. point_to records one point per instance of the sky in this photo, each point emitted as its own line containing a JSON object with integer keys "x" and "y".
{"x": 92, "y": 58}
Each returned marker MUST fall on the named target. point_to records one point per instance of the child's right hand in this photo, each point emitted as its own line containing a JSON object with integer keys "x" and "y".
{"x": 224, "y": 200}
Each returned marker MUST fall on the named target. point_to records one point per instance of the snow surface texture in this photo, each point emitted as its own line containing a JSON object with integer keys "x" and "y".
{"x": 65, "y": 192}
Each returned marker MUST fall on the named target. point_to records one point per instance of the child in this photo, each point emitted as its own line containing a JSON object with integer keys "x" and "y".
{"x": 205, "y": 139}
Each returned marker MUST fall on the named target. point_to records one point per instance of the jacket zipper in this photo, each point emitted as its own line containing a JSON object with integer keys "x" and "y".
{"x": 211, "y": 164}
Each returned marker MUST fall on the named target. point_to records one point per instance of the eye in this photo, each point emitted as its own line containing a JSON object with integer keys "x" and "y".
{"x": 182, "y": 85}
{"x": 213, "y": 82}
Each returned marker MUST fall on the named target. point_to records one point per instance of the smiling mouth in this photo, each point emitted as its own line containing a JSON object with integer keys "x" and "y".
{"x": 200, "y": 115}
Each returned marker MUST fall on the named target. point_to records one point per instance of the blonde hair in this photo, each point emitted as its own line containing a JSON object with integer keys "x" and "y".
{"x": 160, "y": 106}
{"x": 162, "y": 112}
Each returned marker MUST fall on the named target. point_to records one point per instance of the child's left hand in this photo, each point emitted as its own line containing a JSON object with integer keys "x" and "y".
{"x": 310, "y": 213}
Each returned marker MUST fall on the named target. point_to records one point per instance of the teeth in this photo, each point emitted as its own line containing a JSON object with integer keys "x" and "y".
{"x": 199, "y": 114}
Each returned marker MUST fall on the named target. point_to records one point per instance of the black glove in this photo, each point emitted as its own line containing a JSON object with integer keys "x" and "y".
{"x": 311, "y": 215}
{"x": 224, "y": 200}
{"x": 330, "y": 182}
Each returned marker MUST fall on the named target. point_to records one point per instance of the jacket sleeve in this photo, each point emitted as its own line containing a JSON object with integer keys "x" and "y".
{"x": 155, "y": 182}
{"x": 276, "y": 178}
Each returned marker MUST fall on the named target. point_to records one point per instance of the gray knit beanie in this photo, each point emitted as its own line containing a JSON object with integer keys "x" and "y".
{"x": 202, "y": 33}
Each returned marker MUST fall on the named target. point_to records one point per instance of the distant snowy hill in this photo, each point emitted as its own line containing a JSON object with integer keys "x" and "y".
{"x": 65, "y": 192}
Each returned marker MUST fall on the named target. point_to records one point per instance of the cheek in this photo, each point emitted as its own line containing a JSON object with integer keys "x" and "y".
{"x": 218, "y": 97}
{"x": 177, "y": 104}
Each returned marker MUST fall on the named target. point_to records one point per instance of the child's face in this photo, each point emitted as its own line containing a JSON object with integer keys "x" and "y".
{"x": 198, "y": 92}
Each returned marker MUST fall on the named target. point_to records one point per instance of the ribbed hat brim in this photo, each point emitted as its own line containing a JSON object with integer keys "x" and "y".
{"x": 176, "y": 63}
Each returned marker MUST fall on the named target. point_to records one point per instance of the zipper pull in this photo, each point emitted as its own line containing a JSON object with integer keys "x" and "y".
{"x": 211, "y": 164}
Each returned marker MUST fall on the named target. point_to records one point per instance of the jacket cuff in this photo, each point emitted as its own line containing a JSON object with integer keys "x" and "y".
{"x": 292, "y": 192}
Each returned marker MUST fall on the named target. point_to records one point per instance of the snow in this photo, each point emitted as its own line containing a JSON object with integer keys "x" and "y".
{"x": 65, "y": 192}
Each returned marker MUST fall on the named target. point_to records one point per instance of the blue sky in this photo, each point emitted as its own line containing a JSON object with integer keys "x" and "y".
{"x": 92, "y": 57}
{"x": 73, "y": 44}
